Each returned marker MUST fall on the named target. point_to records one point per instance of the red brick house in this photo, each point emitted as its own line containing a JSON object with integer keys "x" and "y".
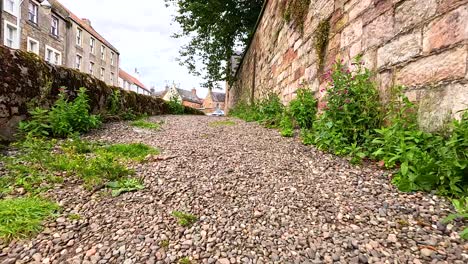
{"x": 188, "y": 98}
{"x": 214, "y": 101}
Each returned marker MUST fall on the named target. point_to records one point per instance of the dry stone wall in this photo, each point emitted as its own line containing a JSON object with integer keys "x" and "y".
{"x": 422, "y": 45}
{"x": 24, "y": 77}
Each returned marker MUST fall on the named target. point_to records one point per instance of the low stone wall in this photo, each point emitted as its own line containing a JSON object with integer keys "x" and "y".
{"x": 422, "y": 45}
{"x": 25, "y": 78}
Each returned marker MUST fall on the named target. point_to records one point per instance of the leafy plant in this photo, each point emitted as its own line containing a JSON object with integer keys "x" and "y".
{"x": 125, "y": 185}
{"x": 115, "y": 102}
{"x": 304, "y": 108}
{"x": 353, "y": 110}
{"x": 287, "y": 125}
{"x": 63, "y": 119}
{"x": 175, "y": 106}
{"x": 184, "y": 219}
{"x": 184, "y": 260}
{"x": 23, "y": 217}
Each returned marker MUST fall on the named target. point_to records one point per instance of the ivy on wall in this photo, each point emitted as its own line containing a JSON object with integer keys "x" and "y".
{"x": 321, "y": 41}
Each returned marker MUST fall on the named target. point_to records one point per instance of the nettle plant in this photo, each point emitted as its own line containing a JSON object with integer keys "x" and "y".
{"x": 352, "y": 112}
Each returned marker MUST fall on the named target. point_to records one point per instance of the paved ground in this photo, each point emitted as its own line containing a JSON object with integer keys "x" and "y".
{"x": 260, "y": 199}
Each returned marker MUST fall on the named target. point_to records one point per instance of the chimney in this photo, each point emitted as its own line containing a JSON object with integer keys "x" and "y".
{"x": 194, "y": 92}
{"x": 137, "y": 74}
{"x": 87, "y": 21}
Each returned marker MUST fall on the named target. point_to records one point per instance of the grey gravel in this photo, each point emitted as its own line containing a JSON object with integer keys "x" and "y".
{"x": 260, "y": 198}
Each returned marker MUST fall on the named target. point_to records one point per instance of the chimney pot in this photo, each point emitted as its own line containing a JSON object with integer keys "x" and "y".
{"x": 87, "y": 21}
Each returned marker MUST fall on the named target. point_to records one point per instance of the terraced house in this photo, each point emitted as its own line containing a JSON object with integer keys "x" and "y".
{"x": 53, "y": 32}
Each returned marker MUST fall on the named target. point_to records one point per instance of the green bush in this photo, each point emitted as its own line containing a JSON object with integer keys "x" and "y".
{"x": 63, "y": 119}
{"x": 304, "y": 108}
{"x": 175, "y": 106}
{"x": 287, "y": 125}
{"x": 270, "y": 111}
{"x": 245, "y": 111}
{"x": 353, "y": 110}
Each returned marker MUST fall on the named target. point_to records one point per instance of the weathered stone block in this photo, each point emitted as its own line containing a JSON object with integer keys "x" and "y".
{"x": 399, "y": 50}
{"x": 351, "y": 33}
{"x": 445, "y": 5}
{"x": 358, "y": 8}
{"x": 378, "y": 8}
{"x": 449, "y": 65}
{"x": 412, "y": 12}
{"x": 379, "y": 31}
{"x": 385, "y": 84}
{"x": 447, "y": 30}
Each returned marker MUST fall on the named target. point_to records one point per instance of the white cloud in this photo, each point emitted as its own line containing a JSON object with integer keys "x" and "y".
{"x": 141, "y": 30}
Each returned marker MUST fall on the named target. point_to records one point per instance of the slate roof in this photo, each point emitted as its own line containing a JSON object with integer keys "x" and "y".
{"x": 160, "y": 94}
{"x": 189, "y": 96}
{"x": 84, "y": 25}
{"x": 218, "y": 97}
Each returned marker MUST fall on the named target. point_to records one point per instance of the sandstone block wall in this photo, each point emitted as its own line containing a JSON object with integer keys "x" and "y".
{"x": 25, "y": 77}
{"x": 422, "y": 45}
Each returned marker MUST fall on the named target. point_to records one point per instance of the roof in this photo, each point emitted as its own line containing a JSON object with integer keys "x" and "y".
{"x": 189, "y": 96}
{"x": 129, "y": 78}
{"x": 218, "y": 97}
{"x": 85, "y": 26}
{"x": 160, "y": 94}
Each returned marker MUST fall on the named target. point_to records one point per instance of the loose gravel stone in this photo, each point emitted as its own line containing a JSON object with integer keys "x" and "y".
{"x": 258, "y": 197}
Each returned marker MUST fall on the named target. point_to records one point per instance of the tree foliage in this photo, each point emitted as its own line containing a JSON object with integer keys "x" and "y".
{"x": 215, "y": 29}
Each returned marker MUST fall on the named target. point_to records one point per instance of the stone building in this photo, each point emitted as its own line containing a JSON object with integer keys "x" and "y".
{"x": 53, "y": 32}
{"x": 131, "y": 83}
{"x": 214, "y": 101}
{"x": 421, "y": 45}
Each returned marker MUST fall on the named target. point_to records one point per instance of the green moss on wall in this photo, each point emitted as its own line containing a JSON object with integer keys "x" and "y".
{"x": 321, "y": 41}
{"x": 296, "y": 11}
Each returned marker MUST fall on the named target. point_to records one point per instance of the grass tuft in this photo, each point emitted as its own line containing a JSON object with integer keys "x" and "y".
{"x": 134, "y": 151}
{"x": 185, "y": 219}
{"x": 23, "y": 217}
{"x": 184, "y": 260}
{"x": 145, "y": 124}
{"x": 125, "y": 185}
{"x": 222, "y": 123}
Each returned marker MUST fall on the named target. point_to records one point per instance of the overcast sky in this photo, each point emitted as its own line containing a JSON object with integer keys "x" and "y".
{"x": 141, "y": 30}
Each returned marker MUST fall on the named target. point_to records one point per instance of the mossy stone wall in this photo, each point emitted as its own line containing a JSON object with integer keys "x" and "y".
{"x": 25, "y": 78}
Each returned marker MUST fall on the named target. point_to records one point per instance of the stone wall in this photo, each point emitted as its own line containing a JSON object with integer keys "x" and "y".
{"x": 422, "y": 45}
{"x": 24, "y": 77}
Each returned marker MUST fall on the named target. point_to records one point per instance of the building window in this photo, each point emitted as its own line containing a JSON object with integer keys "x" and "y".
{"x": 53, "y": 56}
{"x": 79, "y": 37}
{"x": 78, "y": 62}
{"x": 32, "y": 12}
{"x": 112, "y": 58}
{"x": 10, "y": 6}
{"x": 92, "y": 44}
{"x": 103, "y": 53}
{"x": 91, "y": 68}
{"x": 11, "y": 36}
{"x": 112, "y": 77}
{"x": 102, "y": 73}
{"x": 54, "y": 27}
{"x": 33, "y": 45}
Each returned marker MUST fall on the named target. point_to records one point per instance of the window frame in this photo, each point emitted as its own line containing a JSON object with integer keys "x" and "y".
{"x": 112, "y": 58}
{"x": 13, "y": 12}
{"x": 79, "y": 37}
{"x": 91, "y": 68}
{"x": 92, "y": 45}
{"x": 15, "y": 40}
{"x": 52, "y": 19}
{"x": 36, "y": 14}
{"x": 102, "y": 73}
{"x": 112, "y": 75}
{"x": 29, "y": 48}
{"x": 78, "y": 62}
{"x": 103, "y": 52}
{"x": 54, "y": 53}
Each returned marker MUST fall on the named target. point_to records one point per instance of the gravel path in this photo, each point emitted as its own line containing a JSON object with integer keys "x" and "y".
{"x": 260, "y": 198}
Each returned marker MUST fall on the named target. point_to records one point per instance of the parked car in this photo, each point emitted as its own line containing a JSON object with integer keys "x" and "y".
{"x": 217, "y": 113}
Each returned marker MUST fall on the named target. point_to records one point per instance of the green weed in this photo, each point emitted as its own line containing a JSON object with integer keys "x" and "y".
{"x": 22, "y": 217}
{"x": 74, "y": 217}
{"x": 184, "y": 260}
{"x": 134, "y": 151}
{"x": 125, "y": 185}
{"x": 184, "y": 219}
{"x": 164, "y": 243}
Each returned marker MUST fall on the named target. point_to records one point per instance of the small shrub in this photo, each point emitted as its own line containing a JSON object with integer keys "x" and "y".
{"x": 270, "y": 111}
{"x": 125, "y": 185}
{"x": 245, "y": 111}
{"x": 175, "y": 106}
{"x": 22, "y": 217}
{"x": 304, "y": 108}
{"x": 63, "y": 119}
{"x": 184, "y": 219}
{"x": 115, "y": 102}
